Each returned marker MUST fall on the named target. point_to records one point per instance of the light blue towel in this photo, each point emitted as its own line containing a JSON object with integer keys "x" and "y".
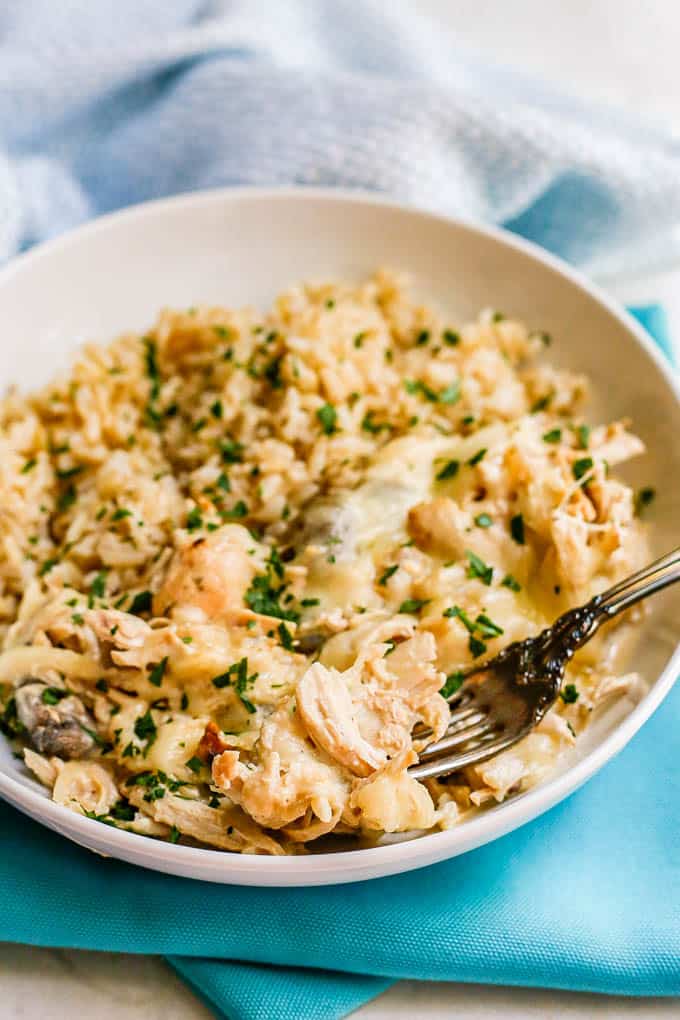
{"x": 107, "y": 103}
{"x": 116, "y": 101}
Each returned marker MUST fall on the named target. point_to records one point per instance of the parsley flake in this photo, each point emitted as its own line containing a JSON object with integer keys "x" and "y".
{"x": 157, "y": 673}
{"x": 327, "y": 416}
{"x": 517, "y": 528}
{"x": 478, "y": 568}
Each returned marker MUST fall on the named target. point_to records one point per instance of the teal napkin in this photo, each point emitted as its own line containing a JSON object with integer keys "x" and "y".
{"x": 587, "y": 897}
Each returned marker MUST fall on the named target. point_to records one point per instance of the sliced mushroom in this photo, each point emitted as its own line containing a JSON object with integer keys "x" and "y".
{"x": 63, "y": 728}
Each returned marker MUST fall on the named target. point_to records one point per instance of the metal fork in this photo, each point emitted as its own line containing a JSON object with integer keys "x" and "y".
{"x": 501, "y": 701}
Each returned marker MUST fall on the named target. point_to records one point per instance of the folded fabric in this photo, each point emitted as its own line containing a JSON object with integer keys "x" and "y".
{"x": 103, "y": 104}
{"x": 586, "y": 897}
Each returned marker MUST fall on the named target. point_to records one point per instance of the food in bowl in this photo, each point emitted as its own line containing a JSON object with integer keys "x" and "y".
{"x": 244, "y": 555}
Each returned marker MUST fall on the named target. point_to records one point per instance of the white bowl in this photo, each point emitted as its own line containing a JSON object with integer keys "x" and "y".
{"x": 243, "y": 246}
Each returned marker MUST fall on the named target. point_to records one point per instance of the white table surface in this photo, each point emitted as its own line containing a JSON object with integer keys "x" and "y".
{"x": 620, "y": 51}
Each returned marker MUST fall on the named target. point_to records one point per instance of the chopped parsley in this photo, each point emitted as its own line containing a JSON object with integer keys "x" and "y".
{"x": 422, "y": 337}
{"x": 66, "y": 499}
{"x": 174, "y": 833}
{"x": 479, "y": 456}
{"x": 553, "y": 436}
{"x": 449, "y": 395}
{"x": 158, "y": 672}
{"x": 231, "y": 451}
{"x": 194, "y": 763}
{"x": 413, "y": 605}
{"x": 122, "y": 811}
{"x": 455, "y": 612}
{"x": 541, "y": 404}
{"x": 53, "y": 695}
{"x": 309, "y": 602}
{"x": 450, "y": 470}
{"x": 155, "y": 783}
{"x": 152, "y": 413}
{"x": 369, "y": 425}
{"x": 237, "y": 674}
{"x": 583, "y": 433}
{"x": 510, "y": 582}
{"x": 141, "y": 603}
{"x": 581, "y": 467}
{"x": 450, "y": 337}
{"x": 476, "y": 646}
{"x": 483, "y": 625}
{"x": 264, "y": 595}
{"x": 145, "y": 730}
{"x": 454, "y": 682}
{"x": 120, "y": 513}
{"x": 483, "y": 521}
{"x": 238, "y": 510}
{"x": 98, "y": 586}
{"x": 194, "y": 519}
{"x": 48, "y": 565}
{"x": 327, "y": 416}
{"x": 216, "y": 409}
{"x": 223, "y": 482}
{"x": 10, "y": 723}
{"x": 387, "y": 573}
{"x": 478, "y": 568}
{"x": 29, "y": 465}
{"x": 569, "y": 694}
{"x": 486, "y": 627}
{"x": 66, "y": 473}
{"x": 517, "y": 528}
{"x": 285, "y": 637}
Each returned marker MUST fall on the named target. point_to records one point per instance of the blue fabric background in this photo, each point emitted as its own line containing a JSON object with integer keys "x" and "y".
{"x": 103, "y": 104}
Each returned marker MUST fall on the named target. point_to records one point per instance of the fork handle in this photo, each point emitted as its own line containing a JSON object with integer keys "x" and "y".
{"x": 650, "y": 579}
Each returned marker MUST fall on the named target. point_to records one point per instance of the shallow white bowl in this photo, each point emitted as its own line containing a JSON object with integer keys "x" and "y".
{"x": 243, "y": 246}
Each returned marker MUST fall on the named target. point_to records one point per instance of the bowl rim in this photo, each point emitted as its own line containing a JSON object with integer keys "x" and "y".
{"x": 364, "y": 863}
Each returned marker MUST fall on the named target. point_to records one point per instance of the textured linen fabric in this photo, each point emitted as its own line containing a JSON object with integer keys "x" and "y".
{"x": 107, "y": 103}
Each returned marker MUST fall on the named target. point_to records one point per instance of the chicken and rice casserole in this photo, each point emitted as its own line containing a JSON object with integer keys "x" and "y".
{"x": 242, "y": 556}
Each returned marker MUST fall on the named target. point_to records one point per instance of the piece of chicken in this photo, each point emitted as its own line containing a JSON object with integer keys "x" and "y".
{"x": 208, "y": 577}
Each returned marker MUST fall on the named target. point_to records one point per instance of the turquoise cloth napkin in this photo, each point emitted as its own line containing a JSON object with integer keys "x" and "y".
{"x": 587, "y": 897}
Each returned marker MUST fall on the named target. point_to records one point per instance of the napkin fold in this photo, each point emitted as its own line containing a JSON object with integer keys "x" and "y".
{"x": 108, "y": 103}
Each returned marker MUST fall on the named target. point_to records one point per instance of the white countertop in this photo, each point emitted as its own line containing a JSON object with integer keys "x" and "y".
{"x": 598, "y": 48}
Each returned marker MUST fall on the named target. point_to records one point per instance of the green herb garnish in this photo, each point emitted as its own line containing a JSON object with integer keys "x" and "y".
{"x": 517, "y": 528}
{"x": 387, "y": 573}
{"x": 450, "y": 470}
{"x": 413, "y": 605}
{"x": 478, "y": 568}
{"x": 327, "y": 416}
{"x": 581, "y": 467}
{"x": 157, "y": 673}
